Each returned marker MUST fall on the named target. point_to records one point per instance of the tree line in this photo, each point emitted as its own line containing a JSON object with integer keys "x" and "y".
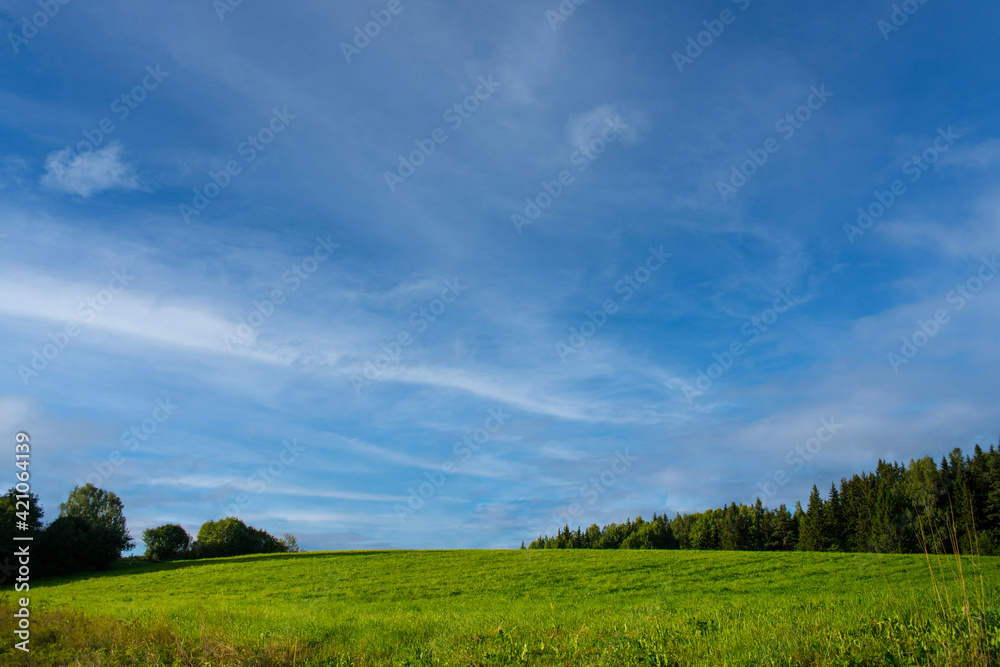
{"x": 90, "y": 534}
{"x": 949, "y": 507}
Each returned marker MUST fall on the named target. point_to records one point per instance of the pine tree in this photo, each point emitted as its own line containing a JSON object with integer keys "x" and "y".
{"x": 811, "y": 526}
{"x": 832, "y": 522}
{"x": 890, "y": 510}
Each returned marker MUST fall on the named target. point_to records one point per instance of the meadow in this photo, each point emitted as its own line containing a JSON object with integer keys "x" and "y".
{"x": 534, "y": 607}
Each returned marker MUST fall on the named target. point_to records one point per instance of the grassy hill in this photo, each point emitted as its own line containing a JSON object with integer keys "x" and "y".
{"x": 520, "y": 607}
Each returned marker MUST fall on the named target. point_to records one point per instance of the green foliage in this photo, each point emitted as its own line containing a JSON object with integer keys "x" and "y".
{"x": 71, "y": 544}
{"x": 896, "y": 509}
{"x": 232, "y": 537}
{"x": 638, "y": 534}
{"x": 10, "y": 514}
{"x": 811, "y": 537}
{"x": 99, "y": 508}
{"x": 649, "y": 535}
{"x": 292, "y": 543}
{"x": 89, "y": 534}
{"x": 167, "y": 542}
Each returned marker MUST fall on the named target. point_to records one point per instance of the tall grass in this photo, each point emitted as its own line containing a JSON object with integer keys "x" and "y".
{"x": 957, "y": 629}
{"x": 975, "y": 635}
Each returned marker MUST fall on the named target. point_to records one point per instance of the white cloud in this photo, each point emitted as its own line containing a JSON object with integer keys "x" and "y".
{"x": 514, "y": 393}
{"x": 89, "y": 174}
{"x": 152, "y": 319}
{"x": 973, "y": 237}
{"x": 586, "y": 127}
{"x": 977, "y": 156}
{"x": 196, "y": 481}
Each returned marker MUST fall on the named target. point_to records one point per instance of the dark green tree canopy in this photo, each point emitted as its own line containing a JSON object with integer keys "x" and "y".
{"x": 10, "y": 511}
{"x": 71, "y": 544}
{"x": 898, "y": 509}
{"x": 167, "y": 542}
{"x": 11, "y": 514}
{"x": 232, "y": 537}
{"x": 98, "y": 507}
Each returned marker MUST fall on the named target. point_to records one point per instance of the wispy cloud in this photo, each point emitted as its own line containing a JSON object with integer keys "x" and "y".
{"x": 90, "y": 173}
{"x": 70, "y": 219}
{"x": 582, "y": 129}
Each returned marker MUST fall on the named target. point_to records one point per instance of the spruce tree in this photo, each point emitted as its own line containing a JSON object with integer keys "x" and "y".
{"x": 831, "y": 526}
{"x": 811, "y": 524}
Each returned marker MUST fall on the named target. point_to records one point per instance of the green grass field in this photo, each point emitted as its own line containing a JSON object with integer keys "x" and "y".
{"x": 520, "y": 607}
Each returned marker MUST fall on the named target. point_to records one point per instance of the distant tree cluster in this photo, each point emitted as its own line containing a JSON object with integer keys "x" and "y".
{"x": 90, "y": 534}
{"x": 216, "y": 539}
{"x": 232, "y": 537}
{"x": 954, "y": 506}
{"x": 638, "y": 534}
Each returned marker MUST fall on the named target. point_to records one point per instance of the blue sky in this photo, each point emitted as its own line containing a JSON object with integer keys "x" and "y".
{"x": 465, "y": 280}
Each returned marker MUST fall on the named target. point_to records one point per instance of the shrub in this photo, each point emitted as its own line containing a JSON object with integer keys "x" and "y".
{"x": 232, "y": 537}
{"x": 166, "y": 542}
{"x": 291, "y": 543}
